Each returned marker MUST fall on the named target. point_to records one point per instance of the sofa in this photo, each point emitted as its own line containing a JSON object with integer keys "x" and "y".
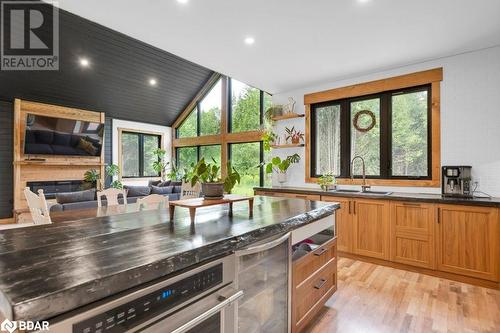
{"x": 88, "y": 199}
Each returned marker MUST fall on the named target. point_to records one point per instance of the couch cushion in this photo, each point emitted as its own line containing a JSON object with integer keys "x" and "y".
{"x": 177, "y": 189}
{"x": 175, "y": 183}
{"x": 81, "y": 205}
{"x": 154, "y": 182}
{"x": 137, "y": 191}
{"x": 163, "y": 184}
{"x": 161, "y": 190}
{"x": 72, "y": 197}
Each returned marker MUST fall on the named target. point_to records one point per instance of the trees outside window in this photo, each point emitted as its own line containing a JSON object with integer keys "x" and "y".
{"x": 138, "y": 154}
{"x": 390, "y": 130}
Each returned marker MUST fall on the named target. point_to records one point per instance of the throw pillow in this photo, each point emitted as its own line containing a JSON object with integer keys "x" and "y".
{"x": 163, "y": 184}
{"x": 137, "y": 191}
{"x": 79, "y": 196}
{"x": 161, "y": 190}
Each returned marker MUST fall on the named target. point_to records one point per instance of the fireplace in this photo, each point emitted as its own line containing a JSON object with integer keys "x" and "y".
{"x": 50, "y": 188}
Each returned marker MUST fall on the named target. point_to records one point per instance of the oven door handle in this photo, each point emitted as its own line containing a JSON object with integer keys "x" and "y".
{"x": 225, "y": 302}
{"x": 263, "y": 247}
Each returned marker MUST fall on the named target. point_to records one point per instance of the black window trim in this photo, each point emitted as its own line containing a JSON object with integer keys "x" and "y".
{"x": 230, "y": 106}
{"x": 385, "y": 133}
{"x": 140, "y": 153}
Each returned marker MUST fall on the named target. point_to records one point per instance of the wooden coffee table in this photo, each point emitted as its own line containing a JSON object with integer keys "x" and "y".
{"x": 195, "y": 203}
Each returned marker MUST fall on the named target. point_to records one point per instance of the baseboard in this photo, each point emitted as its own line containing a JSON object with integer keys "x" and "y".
{"x": 444, "y": 275}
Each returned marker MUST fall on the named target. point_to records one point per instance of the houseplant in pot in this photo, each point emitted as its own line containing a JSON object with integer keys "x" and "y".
{"x": 212, "y": 184}
{"x": 160, "y": 165}
{"x": 294, "y": 135}
{"x": 281, "y": 166}
{"x": 326, "y": 181}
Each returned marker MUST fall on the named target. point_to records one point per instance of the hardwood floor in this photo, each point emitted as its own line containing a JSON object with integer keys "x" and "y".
{"x": 373, "y": 298}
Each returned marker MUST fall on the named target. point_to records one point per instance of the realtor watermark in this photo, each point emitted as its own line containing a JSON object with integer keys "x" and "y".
{"x": 29, "y": 36}
{"x": 23, "y": 325}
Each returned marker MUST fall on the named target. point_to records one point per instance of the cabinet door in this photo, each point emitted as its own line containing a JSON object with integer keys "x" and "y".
{"x": 412, "y": 233}
{"x": 467, "y": 241}
{"x": 343, "y": 223}
{"x": 371, "y": 228}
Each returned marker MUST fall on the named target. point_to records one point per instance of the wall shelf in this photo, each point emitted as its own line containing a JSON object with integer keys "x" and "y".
{"x": 288, "y": 116}
{"x": 288, "y": 145}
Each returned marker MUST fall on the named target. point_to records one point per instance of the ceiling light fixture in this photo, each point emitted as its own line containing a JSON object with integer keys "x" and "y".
{"x": 364, "y": 1}
{"x": 153, "y": 82}
{"x": 182, "y": 1}
{"x": 84, "y": 62}
{"x": 249, "y": 40}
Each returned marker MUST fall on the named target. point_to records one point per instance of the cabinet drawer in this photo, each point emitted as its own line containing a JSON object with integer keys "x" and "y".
{"x": 313, "y": 261}
{"x": 313, "y": 289}
{"x": 303, "y": 196}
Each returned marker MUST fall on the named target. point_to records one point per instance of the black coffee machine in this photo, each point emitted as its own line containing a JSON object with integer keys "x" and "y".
{"x": 456, "y": 181}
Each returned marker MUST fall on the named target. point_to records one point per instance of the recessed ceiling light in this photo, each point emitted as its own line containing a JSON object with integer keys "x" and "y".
{"x": 153, "y": 82}
{"x": 249, "y": 40}
{"x": 182, "y": 1}
{"x": 84, "y": 62}
{"x": 364, "y": 1}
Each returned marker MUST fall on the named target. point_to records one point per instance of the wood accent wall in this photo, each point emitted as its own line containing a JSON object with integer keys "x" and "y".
{"x": 433, "y": 77}
{"x": 51, "y": 167}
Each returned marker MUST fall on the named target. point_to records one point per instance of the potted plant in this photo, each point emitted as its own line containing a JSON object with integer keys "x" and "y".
{"x": 273, "y": 111}
{"x": 212, "y": 185}
{"x": 325, "y": 181}
{"x": 294, "y": 135}
{"x": 113, "y": 170}
{"x": 92, "y": 177}
{"x": 160, "y": 165}
{"x": 281, "y": 166}
{"x": 268, "y": 138}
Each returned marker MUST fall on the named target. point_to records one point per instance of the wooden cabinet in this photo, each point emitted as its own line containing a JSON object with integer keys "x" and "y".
{"x": 371, "y": 228}
{"x": 468, "y": 241}
{"x": 412, "y": 234}
{"x": 343, "y": 223}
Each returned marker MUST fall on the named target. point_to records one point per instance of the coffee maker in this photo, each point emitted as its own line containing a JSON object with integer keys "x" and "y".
{"x": 456, "y": 181}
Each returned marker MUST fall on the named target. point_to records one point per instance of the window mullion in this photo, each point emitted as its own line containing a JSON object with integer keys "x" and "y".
{"x": 345, "y": 139}
{"x": 141, "y": 155}
{"x": 385, "y": 135}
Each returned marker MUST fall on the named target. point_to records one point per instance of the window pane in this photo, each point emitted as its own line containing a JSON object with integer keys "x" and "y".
{"x": 151, "y": 143}
{"x": 209, "y": 152}
{"x": 188, "y": 128}
{"x": 409, "y": 134}
{"x": 327, "y": 124}
{"x": 245, "y": 157}
{"x": 186, "y": 156}
{"x": 366, "y": 144}
{"x": 130, "y": 154}
{"x": 268, "y": 102}
{"x": 245, "y": 102}
{"x": 210, "y": 108}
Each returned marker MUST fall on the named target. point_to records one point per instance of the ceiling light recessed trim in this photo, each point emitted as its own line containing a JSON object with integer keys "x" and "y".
{"x": 84, "y": 62}
{"x": 183, "y": 1}
{"x": 249, "y": 40}
{"x": 153, "y": 82}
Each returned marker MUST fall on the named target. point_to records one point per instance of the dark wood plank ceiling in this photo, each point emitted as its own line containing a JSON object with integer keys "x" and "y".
{"x": 117, "y": 80}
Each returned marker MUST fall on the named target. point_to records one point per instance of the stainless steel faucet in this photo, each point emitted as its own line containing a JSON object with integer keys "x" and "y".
{"x": 364, "y": 187}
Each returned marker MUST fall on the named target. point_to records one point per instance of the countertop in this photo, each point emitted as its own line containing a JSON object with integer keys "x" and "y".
{"x": 51, "y": 269}
{"x": 416, "y": 197}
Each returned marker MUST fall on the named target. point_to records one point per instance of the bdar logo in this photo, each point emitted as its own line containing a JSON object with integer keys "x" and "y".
{"x": 8, "y": 326}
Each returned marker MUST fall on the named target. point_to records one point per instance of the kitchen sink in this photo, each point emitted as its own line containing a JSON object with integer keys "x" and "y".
{"x": 377, "y": 192}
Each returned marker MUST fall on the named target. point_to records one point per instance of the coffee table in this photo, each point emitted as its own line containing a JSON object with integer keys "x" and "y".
{"x": 193, "y": 204}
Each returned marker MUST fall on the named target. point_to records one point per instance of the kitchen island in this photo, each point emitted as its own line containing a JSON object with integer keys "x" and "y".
{"x": 52, "y": 269}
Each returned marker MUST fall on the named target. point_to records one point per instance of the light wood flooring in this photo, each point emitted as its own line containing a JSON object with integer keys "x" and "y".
{"x": 373, "y": 298}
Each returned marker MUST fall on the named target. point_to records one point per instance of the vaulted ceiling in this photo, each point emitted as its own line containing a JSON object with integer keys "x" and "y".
{"x": 301, "y": 42}
{"x": 117, "y": 78}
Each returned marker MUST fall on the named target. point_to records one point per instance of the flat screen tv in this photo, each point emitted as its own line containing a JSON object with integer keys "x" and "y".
{"x": 57, "y": 136}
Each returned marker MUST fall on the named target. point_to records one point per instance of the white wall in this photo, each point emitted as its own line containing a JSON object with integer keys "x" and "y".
{"x": 167, "y": 140}
{"x": 470, "y": 115}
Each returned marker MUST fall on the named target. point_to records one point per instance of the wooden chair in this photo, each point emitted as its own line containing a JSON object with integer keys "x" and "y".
{"x": 111, "y": 195}
{"x": 190, "y": 192}
{"x": 38, "y": 206}
{"x": 151, "y": 200}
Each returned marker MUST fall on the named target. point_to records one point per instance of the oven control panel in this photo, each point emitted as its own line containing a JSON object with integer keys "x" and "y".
{"x": 126, "y": 316}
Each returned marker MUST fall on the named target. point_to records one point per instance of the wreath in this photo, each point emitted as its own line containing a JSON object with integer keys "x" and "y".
{"x": 356, "y": 124}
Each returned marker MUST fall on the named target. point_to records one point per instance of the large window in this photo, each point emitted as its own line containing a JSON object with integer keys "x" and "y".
{"x": 390, "y": 131}
{"x": 189, "y": 126}
{"x": 245, "y": 158}
{"x": 186, "y": 156}
{"x": 246, "y": 107}
{"x": 210, "y": 109}
{"x": 137, "y": 154}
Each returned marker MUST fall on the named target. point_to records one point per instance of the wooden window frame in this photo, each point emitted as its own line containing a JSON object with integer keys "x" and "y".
{"x": 120, "y": 151}
{"x": 431, "y": 77}
{"x": 225, "y": 138}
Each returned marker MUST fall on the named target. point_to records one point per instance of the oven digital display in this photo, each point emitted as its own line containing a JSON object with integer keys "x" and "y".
{"x": 124, "y": 317}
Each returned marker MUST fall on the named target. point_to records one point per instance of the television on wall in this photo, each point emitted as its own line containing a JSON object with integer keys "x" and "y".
{"x": 57, "y": 136}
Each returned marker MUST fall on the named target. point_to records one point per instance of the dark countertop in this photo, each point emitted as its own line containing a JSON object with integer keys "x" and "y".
{"x": 416, "y": 197}
{"x": 48, "y": 270}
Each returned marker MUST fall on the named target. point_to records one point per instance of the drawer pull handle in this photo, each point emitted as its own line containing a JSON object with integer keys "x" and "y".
{"x": 320, "y": 252}
{"x": 320, "y": 284}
